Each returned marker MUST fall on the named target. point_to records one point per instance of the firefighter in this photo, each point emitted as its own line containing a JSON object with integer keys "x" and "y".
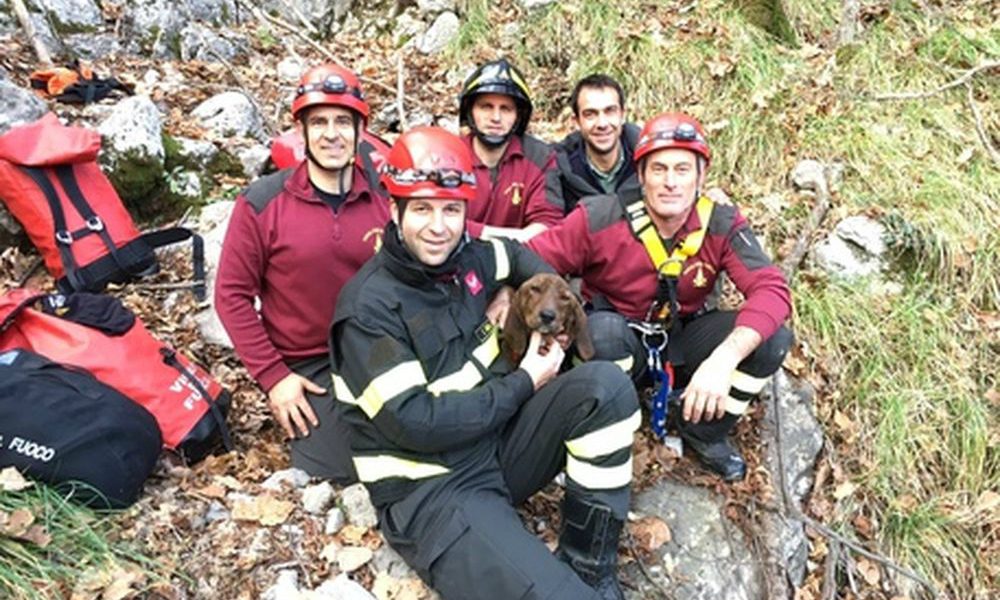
{"x": 445, "y": 435}
{"x": 518, "y": 192}
{"x": 649, "y": 260}
{"x": 294, "y": 239}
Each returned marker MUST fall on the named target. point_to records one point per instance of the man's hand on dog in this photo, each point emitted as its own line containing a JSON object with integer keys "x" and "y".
{"x": 288, "y": 404}
{"x": 542, "y": 360}
{"x": 496, "y": 312}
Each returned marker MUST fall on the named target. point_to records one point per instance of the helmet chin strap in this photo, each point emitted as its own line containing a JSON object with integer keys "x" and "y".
{"x": 491, "y": 141}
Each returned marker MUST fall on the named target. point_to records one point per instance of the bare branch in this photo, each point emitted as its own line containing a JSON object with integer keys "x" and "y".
{"x": 29, "y": 30}
{"x": 264, "y": 17}
{"x": 848, "y": 22}
{"x": 791, "y": 262}
{"x": 298, "y": 15}
{"x": 794, "y": 512}
{"x": 984, "y": 136}
{"x": 951, "y": 84}
{"x": 400, "y": 79}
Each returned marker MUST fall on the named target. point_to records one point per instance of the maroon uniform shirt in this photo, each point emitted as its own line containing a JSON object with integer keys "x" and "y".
{"x": 290, "y": 249}
{"x": 526, "y": 188}
{"x": 596, "y": 243}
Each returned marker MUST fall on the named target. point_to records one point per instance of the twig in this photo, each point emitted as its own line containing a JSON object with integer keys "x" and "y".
{"x": 848, "y": 22}
{"x": 29, "y": 30}
{"x": 791, "y": 262}
{"x": 980, "y": 128}
{"x": 951, "y": 84}
{"x": 830, "y": 574}
{"x": 35, "y": 265}
{"x": 400, "y": 78}
{"x": 262, "y": 16}
{"x": 182, "y": 285}
{"x": 298, "y": 15}
{"x": 849, "y": 568}
{"x": 664, "y": 593}
{"x": 796, "y": 513}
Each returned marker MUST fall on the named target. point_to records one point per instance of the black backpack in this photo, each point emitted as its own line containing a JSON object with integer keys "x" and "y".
{"x": 64, "y": 427}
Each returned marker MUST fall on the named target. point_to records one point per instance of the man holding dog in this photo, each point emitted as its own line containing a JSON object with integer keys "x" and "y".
{"x": 294, "y": 239}
{"x": 597, "y": 158}
{"x": 649, "y": 258}
{"x": 448, "y": 436}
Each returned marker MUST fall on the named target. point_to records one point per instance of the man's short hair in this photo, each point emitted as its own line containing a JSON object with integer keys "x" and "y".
{"x": 595, "y": 80}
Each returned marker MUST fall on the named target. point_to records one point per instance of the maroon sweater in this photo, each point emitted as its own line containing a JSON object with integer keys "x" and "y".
{"x": 526, "y": 190}
{"x": 596, "y": 243}
{"x": 287, "y": 247}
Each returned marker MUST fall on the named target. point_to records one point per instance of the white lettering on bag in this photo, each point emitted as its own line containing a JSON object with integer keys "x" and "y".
{"x": 31, "y": 449}
{"x": 194, "y": 396}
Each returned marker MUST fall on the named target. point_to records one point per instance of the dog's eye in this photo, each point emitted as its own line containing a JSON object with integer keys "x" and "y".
{"x": 535, "y": 289}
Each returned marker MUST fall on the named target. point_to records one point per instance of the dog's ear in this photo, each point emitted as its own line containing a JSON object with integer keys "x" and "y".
{"x": 584, "y": 345}
{"x": 515, "y": 332}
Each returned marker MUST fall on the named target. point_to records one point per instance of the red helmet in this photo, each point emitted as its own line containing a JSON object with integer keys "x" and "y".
{"x": 672, "y": 130}
{"x": 429, "y": 162}
{"x": 330, "y": 85}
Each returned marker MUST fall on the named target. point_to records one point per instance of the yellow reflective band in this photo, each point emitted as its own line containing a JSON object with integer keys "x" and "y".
{"x": 598, "y": 478}
{"x": 503, "y": 261}
{"x": 489, "y": 350}
{"x": 461, "y": 380}
{"x": 626, "y": 364}
{"x": 520, "y": 83}
{"x": 747, "y": 383}
{"x": 375, "y": 468}
{"x": 605, "y": 440}
{"x": 390, "y": 384}
{"x": 736, "y": 407}
{"x": 469, "y": 375}
{"x": 341, "y": 391}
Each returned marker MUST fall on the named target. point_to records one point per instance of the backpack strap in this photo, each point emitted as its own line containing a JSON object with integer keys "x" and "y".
{"x": 64, "y": 238}
{"x": 173, "y": 235}
{"x": 67, "y": 179}
{"x": 170, "y": 358}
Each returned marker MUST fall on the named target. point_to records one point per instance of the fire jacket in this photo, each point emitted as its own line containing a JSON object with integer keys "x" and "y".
{"x": 288, "y": 248}
{"x": 524, "y": 188}
{"x": 414, "y": 362}
{"x": 596, "y": 243}
{"x": 577, "y": 177}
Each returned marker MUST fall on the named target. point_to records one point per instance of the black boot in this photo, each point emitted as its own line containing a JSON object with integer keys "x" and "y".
{"x": 708, "y": 440}
{"x": 589, "y": 544}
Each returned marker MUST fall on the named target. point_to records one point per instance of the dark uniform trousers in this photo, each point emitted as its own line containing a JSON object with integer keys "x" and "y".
{"x": 614, "y": 340}
{"x": 461, "y": 531}
{"x": 326, "y": 451}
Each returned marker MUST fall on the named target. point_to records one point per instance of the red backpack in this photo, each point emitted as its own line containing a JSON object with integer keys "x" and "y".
{"x": 52, "y": 184}
{"x": 99, "y": 334}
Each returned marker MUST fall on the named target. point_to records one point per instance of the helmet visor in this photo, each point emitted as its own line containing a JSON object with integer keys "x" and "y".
{"x": 445, "y": 178}
{"x": 333, "y": 84}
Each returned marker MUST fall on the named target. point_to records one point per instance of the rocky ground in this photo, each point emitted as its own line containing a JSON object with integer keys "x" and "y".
{"x": 242, "y": 525}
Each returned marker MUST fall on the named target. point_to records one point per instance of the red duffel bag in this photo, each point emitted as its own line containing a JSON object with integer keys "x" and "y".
{"x": 98, "y": 333}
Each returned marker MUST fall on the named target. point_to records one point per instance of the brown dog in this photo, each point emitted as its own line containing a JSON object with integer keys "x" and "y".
{"x": 546, "y": 304}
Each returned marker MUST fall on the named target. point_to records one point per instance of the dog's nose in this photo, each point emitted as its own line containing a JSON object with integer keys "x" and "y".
{"x": 547, "y": 316}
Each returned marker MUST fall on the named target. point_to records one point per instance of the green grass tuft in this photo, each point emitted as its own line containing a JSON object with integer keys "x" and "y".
{"x": 82, "y": 544}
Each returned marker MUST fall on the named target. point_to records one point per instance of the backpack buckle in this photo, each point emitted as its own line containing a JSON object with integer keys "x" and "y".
{"x": 64, "y": 237}
{"x": 94, "y": 223}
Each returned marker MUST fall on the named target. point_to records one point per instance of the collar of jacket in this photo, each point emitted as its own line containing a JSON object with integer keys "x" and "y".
{"x": 513, "y": 150}
{"x": 691, "y": 223}
{"x": 405, "y": 267}
{"x": 298, "y": 185}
